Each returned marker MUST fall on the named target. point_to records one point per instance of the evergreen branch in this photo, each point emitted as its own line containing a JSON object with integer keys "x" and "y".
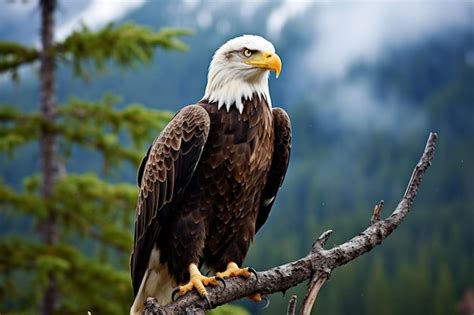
{"x": 127, "y": 45}
{"x": 83, "y": 119}
{"x": 14, "y": 55}
{"x": 103, "y": 213}
{"x": 18, "y": 253}
{"x": 95, "y": 125}
{"x": 75, "y": 270}
{"x": 107, "y": 143}
{"x": 318, "y": 264}
{"x": 17, "y": 128}
{"x": 25, "y": 202}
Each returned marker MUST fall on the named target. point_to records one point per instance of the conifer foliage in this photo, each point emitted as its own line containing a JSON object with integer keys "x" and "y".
{"x": 73, "y": 255}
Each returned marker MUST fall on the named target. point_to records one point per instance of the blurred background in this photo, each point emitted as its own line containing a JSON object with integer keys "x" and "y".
{"x": 363, "y": 83}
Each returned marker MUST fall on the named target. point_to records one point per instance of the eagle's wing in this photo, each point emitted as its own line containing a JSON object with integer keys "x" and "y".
{"x": 163, "y": 176}
{"x": 280, "y": 159}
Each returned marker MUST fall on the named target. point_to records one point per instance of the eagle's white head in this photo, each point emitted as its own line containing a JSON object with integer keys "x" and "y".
{"x": 239, "y": 69}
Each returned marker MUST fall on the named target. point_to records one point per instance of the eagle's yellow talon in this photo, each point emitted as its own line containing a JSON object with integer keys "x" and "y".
{"x": 197, "y": 281}
{"x": 234, "y": 271}
{"x": 256, "y": 297}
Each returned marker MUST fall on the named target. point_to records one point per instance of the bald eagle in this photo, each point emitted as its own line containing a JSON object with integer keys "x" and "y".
{"x": 209, "y": 180}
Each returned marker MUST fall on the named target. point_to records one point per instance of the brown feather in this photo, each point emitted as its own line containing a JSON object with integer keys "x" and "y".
{"x": 280, "y": 160}
{"x": 162, "y": 175}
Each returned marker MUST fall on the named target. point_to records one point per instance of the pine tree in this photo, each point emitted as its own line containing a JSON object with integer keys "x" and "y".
{"x": 71, "y": 255}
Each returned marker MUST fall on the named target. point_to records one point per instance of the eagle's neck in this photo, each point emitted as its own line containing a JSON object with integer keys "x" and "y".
{"x": 228, "y": 88}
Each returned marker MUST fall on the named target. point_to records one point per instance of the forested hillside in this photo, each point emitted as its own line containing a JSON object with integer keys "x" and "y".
{"x": 356, "y": 138}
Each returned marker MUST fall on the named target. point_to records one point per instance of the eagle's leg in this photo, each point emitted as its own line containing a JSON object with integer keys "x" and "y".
{"x": 233, "y": 270}
{"x": 196, "y": 281}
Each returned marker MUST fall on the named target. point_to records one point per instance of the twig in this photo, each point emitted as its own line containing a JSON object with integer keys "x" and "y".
{"x": 322, "y": 239}
{"x": 319, "y": 260}
{"x": 292, "y": 305}
{"x": 377, "y": 210}
{"x": 314, "y": 287}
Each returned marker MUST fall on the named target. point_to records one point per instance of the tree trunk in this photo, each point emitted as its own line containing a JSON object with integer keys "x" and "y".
{"x": 48, "y": 226}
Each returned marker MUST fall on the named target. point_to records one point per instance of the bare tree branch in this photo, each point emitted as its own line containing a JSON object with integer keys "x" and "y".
{"x": 292, "y": 305}
{"x": 314, "y": 286}
{"x": 319, "y": 262}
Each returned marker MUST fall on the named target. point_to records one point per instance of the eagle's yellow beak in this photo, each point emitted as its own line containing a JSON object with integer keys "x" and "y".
{"x": 266, "y": 60}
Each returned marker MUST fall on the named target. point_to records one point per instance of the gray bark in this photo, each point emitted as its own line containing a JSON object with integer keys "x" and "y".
{"x": 317, "y": 265}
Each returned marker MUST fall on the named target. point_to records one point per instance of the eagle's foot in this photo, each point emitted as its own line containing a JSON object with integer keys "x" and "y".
{"x": 198, "y": 282}
{"x": 234, "y": 271}
{"x": 256, "y": 297}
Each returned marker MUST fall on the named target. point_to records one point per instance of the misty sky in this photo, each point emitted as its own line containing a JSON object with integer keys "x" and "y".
{"x": 341, "y": 33}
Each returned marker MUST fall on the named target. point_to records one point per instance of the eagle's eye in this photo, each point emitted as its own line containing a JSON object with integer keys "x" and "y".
{"x": 247, "y": 52}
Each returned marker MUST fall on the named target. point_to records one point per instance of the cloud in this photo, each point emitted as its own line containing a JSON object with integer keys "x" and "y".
{"x": 249, "y": 8}
{"x": 70, "y": 15}
{"x": 17, "y": 9}
{"x": 345, "y": 32}
{"x": 283, "y": 13}
{"x": 354, "y": 106}
{"x": 98, "y": 13}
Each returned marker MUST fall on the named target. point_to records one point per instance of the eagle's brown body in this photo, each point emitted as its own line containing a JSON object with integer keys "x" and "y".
{"x": 223, "y": 197}
{"x": 213, "y": 214}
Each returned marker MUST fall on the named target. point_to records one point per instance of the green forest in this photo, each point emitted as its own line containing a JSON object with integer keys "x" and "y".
{"x": 356, "y": 139}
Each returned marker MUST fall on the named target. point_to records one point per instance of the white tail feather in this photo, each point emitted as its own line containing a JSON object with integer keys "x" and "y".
{"x": 156, "y": 282}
